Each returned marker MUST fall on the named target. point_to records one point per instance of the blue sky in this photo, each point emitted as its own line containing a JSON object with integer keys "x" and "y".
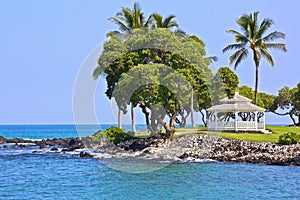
{"x": 44, "y": 43}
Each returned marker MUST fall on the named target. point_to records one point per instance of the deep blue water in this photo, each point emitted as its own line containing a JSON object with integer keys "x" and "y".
{"x": 61, "y": 176}
{"x": 55, "y": 131}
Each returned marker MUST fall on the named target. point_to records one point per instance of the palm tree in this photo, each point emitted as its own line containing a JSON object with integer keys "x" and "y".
{"x": 168, "y": 22}
{"x": 255, "y": 39}
{"x": 129, "y": 19}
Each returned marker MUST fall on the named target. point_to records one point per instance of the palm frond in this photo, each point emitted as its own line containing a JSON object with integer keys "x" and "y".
{"x": 234, "y": 57}
{"x": 148, "y": 21}
{"x": 239, "y": 37}
{"x": 243, "y": 22}
{"x": 277, "y": 46}
{"x": 233, "y": 46}
{"x": 211, "y": 59}
{"x": 243, "y": 55}
{"x": 273, "y": 35}
{"x": 158, "y": 20}
{"x": 267, "y": 56}
{"x": 97, "y": 72}
{"x": 120, "y": 24}
{"x": 168, "y": 23}
{"x": 128, "y": 17}
{"x": 264, "y": 26}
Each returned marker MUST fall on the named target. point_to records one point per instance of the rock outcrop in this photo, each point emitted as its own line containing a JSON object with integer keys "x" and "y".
{"x": 188, "y": 147}
{"x": 227, "y": 150}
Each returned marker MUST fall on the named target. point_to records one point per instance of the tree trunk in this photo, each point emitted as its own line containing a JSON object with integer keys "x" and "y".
{"x": 256, "y": 84}
{"x": 192, "y": 110}
{"x": 203, "y": 118}
{"x": 144, "y": 110}
{"x": 119, "y": 118}
{"x": 170, "y": 129}
{"x": 132, "y": 119}
{"x": 294, "y": 121}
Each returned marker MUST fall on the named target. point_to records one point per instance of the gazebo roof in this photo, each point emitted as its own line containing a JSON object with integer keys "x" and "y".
{"x": 237, "y": 98}
{"x": 237, "y": 103}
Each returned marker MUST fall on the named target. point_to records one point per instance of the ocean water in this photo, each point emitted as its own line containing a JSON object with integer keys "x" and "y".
{"x": 25, "y": 175}
{"x": 56, "y": 131}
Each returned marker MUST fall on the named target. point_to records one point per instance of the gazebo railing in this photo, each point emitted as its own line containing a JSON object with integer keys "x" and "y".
{"x": 239, "y": 125}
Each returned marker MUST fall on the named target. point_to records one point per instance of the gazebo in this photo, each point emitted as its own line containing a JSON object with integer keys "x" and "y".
{"x": 236, "y": 114}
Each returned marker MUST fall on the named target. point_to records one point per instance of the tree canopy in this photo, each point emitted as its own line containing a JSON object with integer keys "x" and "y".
{"x": 149, "y": 50}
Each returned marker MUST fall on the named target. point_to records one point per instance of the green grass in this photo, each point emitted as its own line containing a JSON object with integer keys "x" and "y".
{"x": 254, "y": 137}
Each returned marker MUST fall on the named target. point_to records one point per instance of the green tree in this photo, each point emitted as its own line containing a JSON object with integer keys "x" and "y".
{"x": 149, "y": 48}
{"x": 254, "y": 38}
{"x": 287, "y": 100}
{"x": 129, "y": 20}
{"x": 224, "y": 83}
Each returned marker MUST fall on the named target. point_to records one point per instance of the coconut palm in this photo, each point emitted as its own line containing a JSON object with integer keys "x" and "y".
{"x": 159, "y": 22}
{"x": 129, "y": 19}
{"x": 254, "y": 38}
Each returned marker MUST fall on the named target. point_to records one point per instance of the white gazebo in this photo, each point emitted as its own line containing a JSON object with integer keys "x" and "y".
{"x": 236, "y": 114}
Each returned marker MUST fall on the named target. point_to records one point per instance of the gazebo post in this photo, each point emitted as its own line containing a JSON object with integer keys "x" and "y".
{"x": 264, "y": 121}
{"x": 235, "y": 123}
{"x": 255, "y": 120}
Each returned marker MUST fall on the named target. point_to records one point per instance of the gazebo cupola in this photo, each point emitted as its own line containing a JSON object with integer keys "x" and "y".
{"x": 236, "y": 114}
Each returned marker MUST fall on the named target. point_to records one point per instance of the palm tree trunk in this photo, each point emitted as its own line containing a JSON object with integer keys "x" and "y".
{"x": 256, "y": 84}
{"x": 119, "y": 118}
{"x": 192, "y": 110}
{"x": 132, "y": 119}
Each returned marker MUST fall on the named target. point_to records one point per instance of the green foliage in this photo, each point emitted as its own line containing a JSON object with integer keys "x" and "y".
{"x": 265, "y": 100}
{"x": 113, "y": 134}
{"x": 246, "y": 91}
{"x": 224, "y": 84}
{"x": 289, "y": 138}
{"x": 137, "y": 47}
{"x": 288, "y": 100}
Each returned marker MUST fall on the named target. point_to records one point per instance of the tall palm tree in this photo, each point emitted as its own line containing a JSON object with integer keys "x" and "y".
{"x": 168, "y": 22}
{"x": 255, "y": 39}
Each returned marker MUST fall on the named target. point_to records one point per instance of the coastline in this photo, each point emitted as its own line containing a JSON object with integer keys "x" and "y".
{"x": 187, "y": 148}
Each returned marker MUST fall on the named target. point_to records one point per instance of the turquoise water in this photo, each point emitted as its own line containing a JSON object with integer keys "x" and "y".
{"x": 55, "y": 176}
{"x": 25, "y": 175}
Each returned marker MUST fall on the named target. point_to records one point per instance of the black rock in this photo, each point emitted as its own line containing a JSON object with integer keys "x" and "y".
{"x": 54, "y": 149}
{"x": 85, "y": 155}
{"x": 3, "y": 140}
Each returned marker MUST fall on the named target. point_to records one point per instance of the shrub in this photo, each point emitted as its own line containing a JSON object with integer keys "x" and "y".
{"x": 289, "y": 138}
{"x": 113, "y": 134}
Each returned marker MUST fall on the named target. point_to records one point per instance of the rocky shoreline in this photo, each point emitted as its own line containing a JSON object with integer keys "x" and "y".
{"x": 186, "y": 148}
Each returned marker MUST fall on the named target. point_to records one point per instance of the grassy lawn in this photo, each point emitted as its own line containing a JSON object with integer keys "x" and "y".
{"x": 253, "y": 137}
